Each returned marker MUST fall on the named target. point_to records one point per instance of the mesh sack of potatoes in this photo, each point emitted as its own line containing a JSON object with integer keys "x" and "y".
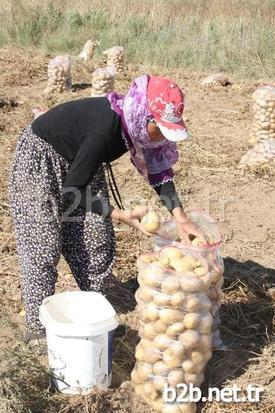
{"x": 264, "y": 114}
{"x": 88, "y": 50}
{"x": 115, "y": 57}
{"x": 262, "y": 153}
{"x": 168, "y": 235}
{"x": 215, "y": 79}
{"x": 59, "y": 74}
{"x": 175, "y": 327}
{"x": 103, "y": 80}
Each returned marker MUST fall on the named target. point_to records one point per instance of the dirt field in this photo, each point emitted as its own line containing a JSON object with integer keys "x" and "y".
{"x": 207, "y": 177}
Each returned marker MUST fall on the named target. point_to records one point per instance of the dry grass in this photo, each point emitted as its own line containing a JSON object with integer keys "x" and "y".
{"x": 205, "y": 8}
{"x": 237, "y": 36}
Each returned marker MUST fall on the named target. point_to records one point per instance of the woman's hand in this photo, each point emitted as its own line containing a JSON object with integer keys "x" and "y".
{"x": 130, "y": 217}
{"x": 187, "y": 227}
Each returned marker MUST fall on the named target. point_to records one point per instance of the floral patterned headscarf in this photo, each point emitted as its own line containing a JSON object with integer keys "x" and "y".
{"x": 153, "y": 160}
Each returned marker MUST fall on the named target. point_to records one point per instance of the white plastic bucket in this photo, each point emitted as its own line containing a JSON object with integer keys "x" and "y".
{"x": 79, "y": 327}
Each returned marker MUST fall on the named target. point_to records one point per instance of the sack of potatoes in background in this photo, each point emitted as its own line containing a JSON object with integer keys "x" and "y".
{"x": 115, "y": 57}
{"x": 175, "y": 325}
{"x": 103, "y": 81}
{"x": 264, "y": 114}
{"x": 88, "y": 50}
{"x": 216, "y": 79}
{"x": 59, "y": 75}
{"x": 260, "y": 154}
{"x": 168, "y": 235}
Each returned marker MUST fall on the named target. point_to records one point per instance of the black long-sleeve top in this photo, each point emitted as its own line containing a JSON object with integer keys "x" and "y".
{"x": 87, "y": 133}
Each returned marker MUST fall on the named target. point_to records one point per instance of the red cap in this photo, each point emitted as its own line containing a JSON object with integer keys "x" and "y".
{"x": 166, "y": 104}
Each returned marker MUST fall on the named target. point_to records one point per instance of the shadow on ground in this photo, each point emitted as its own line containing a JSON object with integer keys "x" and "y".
{"x": 80, "y": 86}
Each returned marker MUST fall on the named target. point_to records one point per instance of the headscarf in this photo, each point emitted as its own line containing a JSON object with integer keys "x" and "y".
{"x": 153, "y": 160}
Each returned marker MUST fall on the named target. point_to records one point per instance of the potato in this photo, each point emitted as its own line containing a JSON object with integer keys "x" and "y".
{"x": 151, "y": 312}
{"x": 139, "y": 389}
{"x": 175, "y": 329}
{"x": 139, "y": 353}
{"x": 191, "y": 284}
{"x": 200, "y": 271}
{"x": 169, "y": 315}
{"x": 162, "y": 341}
{"x": 145, "y": 343}
{"x": 145, "y": 294}
{"x": 192, "y": 303}
{"x": 175, "y": 377}
{"x": 142, "y": 316}
{"x": 189, "y": 338}
{"x": 151, "y": 355}
{"x": 159, "y": 382}
{"x": 164, "y": 261}
{"x": 151, "y": 222}
{"x": 150, "y": 391}
{"x": 156, "y": 265}
{"x": 146, "y": 258}
{"x": 171, "y": 253}
{"x": 188, "y": 366}
{"x": 191, "y": 261}
{"x": 205, "y": 324}
{"x": 150, "y": 278}
{"x": 191, "y": 320}
{"x": 180, "y": 265}
{"x": 160, "y": 271}
{"x": 160, "y": 369}
{"x": 197, "y": 357}
{"x": 170, "y": 359}
{"x": 149, "y": 330}
{"x": 177, "y": 349}
{"x": 195, "y": 379}
{"x": 144, "y": 370}
{"x": 170, "y": 285}
{"x": 199, "y": 367}
{"x": 162, "y": 299}
{"x": 191, "y": 378}
{"x": 160, "y": 327}
{"x": 197, "y": 242}
{"x": 135, "y": 377}
{"x": 178, "y": 299}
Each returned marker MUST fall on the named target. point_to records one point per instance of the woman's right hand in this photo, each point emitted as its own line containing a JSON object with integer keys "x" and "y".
{"x": 130, "y": 217}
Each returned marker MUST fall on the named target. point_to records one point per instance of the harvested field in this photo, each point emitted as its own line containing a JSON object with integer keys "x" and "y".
{"x": 207, "y": 177}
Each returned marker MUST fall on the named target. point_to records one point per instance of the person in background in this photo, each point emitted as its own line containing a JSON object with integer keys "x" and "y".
{"x": 58, "y": 191}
